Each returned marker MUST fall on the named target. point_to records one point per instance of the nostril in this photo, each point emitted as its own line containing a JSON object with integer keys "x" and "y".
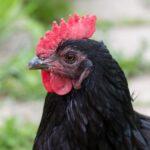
{"x": 34, "y": 63}
{"x": 30, "y": 65}
{"x": 37, "y": 63}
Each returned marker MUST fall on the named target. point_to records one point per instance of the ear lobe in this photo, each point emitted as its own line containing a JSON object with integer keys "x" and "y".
{"x": 86, "y": 66}
{"x": 77, "y": 83}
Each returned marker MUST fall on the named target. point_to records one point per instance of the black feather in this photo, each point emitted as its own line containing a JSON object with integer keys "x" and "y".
{"x": 99, "y": 116}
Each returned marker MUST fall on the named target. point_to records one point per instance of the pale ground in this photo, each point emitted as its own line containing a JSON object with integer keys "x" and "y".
{"x": 114, "y": 9}
{"x": 126, "y": 39}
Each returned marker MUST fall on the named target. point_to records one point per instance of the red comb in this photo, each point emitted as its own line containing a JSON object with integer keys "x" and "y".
{"x": 76, "y": 28}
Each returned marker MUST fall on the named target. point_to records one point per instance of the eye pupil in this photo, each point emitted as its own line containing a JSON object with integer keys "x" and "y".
{"x": 70, "y": 58}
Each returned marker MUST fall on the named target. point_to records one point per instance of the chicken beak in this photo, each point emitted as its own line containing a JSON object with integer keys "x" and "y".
{"x": 37, "y": 63}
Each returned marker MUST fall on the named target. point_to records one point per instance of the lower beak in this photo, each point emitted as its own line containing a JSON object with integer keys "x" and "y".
{"x": 37, "y": 63}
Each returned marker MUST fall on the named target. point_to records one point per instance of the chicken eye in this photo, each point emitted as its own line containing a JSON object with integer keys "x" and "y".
{"x": 70, "y": 58}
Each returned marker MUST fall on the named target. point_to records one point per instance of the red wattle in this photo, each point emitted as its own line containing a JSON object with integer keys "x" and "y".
{"x": 56, "y": 83}
{"x": 46, "y": 80}
{"x": 60, "y": 85}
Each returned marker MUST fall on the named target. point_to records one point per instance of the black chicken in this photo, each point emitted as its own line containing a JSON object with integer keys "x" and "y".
{"x": 88, "y": 105}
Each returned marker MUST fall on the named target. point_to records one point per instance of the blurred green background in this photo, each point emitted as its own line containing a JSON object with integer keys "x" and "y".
{"x": 22, "y": 22}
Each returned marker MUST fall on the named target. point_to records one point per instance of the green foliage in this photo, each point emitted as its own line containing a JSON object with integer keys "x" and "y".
{"x": 147, "y": 3}
{"x": 135, "y": 64}
{"x": 12, "y": 11}
{"x": 19, "y": 82}
{"x": 47, "y": 10}
{"x": 106, "y": 25}
{"x": 131, "y": 65}
{"x": 17, "y": 135}
{"x": 9, "y": 10}
{"x": 9, "y": 13}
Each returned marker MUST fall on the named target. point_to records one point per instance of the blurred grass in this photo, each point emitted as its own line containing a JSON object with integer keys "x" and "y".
{"x": 9, "y": 10}
{"x": 106, "y": 25}
{"x": 135, "y": 64}
{"x": 147, "y": 3}
{"x": 17, "y": 135}
{"x": 17, "y": 81}
{"x": 8, "y": 14}
{"x": 46, "y": 11}
{"x": 42, "y": 12}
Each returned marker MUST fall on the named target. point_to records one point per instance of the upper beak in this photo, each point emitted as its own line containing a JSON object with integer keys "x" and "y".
{"x": 37, "y": 63}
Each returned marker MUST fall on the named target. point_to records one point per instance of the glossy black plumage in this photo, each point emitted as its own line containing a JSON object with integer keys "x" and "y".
{"x": 99, "y": 116}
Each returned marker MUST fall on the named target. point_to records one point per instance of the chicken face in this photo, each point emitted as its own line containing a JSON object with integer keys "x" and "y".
{"x": 63, "y": 65}
{"x": 63, "y": 70}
